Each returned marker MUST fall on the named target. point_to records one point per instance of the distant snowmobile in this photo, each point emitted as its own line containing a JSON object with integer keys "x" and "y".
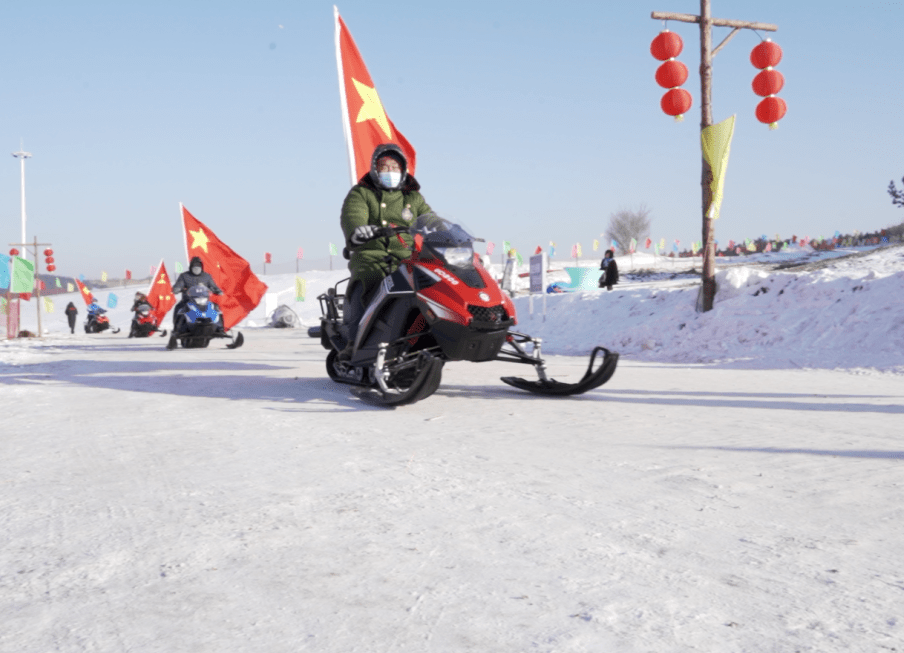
{"x": 199, "y": 322}
{"x": 144, "y": 324}
{"x": 440, "y": 305}
{"x": 96, "y": 321}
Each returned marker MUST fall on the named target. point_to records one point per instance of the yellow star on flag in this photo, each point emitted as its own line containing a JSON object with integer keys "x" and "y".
{"x": 199, "y": 239}
{"x": 162, "y": 280}
{"x": 372, "y": 109}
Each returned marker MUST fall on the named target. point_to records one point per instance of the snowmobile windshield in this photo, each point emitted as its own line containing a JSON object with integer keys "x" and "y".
{"x": 446, "y": 240}
{"x": 144, "y": 310}
{"x": 199, "y": 295}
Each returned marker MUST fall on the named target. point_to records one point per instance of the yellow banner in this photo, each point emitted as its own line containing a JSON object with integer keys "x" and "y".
{"x": 716, "y": 147}
{"x": 300, "y": 289}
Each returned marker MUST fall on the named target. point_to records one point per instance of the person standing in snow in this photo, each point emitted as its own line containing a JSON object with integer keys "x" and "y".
{"x": 508, "y": 274}
{"x": 609, "y": 277}
{"x": 71, "y": 311}
{"x": 385, "y": 195}
{"x": 194, "y": 276}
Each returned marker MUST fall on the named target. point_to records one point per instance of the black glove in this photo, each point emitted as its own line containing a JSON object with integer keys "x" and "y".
{"x": 364, "y": 233}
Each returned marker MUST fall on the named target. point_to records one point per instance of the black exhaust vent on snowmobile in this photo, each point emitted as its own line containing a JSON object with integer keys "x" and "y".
{"x": 422, "y": 279}
{"x": 470, "y": 276}
{"x": 491, "y": 314}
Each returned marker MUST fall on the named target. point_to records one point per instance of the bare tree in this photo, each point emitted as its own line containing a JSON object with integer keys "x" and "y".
{"x": 897, "y": 196}
{"x": 625, "y": 225}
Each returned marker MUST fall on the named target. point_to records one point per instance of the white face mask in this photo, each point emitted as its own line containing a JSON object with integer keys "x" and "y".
{"x": 196, "y": 270}
{"x": 389, "y": 179}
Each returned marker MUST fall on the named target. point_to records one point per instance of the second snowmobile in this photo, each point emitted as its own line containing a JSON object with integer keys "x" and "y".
{"x": 199, "y": 322}
{"x": 144, "y": 324}
{"x": 439, "y": 305}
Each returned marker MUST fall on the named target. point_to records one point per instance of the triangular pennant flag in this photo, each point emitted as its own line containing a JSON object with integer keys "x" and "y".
{"x": 518, "y": 258}
{"x": 647, "y": 243}
{"x": 22, "y": 275}
{"x": 364, "y": 120}
{"x": 242, "y": 290}
{"x": 716, "y": 141}
{"x": 538, "y": 250}
{"x": 5, "y": 262}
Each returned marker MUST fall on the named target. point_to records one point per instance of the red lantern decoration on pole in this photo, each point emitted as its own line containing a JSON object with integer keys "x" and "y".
{"x": 768, "y": 82}
{"x": 671, "y": 74}
{"x": 13, "y": 252}
{"x": 666, "y": 45}
{"x": 676, "y": 102}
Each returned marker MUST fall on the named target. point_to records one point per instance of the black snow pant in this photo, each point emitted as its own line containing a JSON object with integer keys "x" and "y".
{"x": 71, "y": 318}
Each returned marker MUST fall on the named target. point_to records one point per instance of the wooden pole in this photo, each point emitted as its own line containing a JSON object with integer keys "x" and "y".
{"x": 706, "y": 22}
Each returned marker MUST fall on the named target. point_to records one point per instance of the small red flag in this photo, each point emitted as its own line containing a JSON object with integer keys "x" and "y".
{"x": 86, "y": 294}
{"x": 365, "y": 122}
{"x": 160, "y": 293}
{"x": 538, "y": 250}
{"x": 267, "y": 257}
{"x": 242, "y": 291}
{"x": 128, "y": 274}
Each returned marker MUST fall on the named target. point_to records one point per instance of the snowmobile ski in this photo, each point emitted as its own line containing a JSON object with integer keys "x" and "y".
{"x": 592, "y": 378}
{"x": 237, "y": 342}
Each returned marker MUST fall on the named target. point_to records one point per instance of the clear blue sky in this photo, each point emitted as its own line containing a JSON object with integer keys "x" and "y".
{"x": 532, "y": 121}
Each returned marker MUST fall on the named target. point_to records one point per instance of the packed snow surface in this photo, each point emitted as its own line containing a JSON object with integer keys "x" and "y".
{"x": 735, "y": 487}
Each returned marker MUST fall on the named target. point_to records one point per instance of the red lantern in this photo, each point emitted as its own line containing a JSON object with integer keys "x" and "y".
{"x": 13, "y": 252}
{"x": 766, "y": 54}
{"x": 51, "y": 267}
{"x": 768, "y": 82}
{"x": 49, "y": 259}
{"x": 770, "y": 110}
{"x": 671, "y": 74}
{"x": 666, "y": 45}
{"x": 676, "y": 102}
{"x": 48, "y": 252}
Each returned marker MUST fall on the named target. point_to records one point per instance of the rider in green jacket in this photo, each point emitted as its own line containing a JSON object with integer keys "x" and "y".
{"x": 385, "y": 196}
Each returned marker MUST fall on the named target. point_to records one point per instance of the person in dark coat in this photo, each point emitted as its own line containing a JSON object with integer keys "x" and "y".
{"x": 609, "y": 277}
{"x": 71, "y": 312}
{"x": 195, "y": 275}
{"x": 140, "y": 298}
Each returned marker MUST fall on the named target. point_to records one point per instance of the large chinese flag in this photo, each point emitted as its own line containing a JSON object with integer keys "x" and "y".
{"x": 160, "y": 293}
{"x": 365, "y": 123}
{"x": 242, "y": 291}
{"x": 86, "y": 294}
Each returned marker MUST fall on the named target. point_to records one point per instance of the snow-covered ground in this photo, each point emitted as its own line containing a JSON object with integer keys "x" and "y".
{"x": 735, "y": 487}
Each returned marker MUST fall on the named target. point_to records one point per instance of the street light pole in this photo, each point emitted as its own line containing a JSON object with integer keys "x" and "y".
{"x": 22, "y": 155}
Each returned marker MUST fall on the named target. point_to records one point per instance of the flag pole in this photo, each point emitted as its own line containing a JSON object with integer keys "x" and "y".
{"x": 346, "y": 127}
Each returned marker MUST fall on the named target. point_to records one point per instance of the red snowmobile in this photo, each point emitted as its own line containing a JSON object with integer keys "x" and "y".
{"x": 440, "y": 305}
{"x": 144, "y": 324}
